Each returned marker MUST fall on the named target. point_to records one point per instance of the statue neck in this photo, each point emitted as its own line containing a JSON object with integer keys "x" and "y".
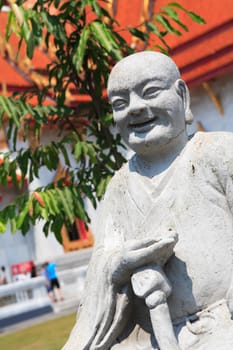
{"x": 162, "y": 157}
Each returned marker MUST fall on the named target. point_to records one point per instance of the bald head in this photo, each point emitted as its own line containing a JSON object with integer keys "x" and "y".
{"x": 151, "y": 104}
{"x": 142, "y": 65}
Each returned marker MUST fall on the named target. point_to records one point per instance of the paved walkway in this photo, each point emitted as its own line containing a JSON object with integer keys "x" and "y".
{"x": 71, "y": 270}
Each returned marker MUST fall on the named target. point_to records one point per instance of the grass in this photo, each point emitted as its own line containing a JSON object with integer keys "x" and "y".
{"x": 50, "y": 335}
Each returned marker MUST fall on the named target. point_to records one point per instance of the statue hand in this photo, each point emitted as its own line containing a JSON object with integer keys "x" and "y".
{"x": 138, "y": 253}
{"x": 150, "y": 283}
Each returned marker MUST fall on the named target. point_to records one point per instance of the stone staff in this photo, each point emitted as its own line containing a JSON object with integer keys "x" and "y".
{"x": 151, "y": 284}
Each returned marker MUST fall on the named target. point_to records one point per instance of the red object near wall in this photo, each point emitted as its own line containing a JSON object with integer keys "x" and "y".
{"x": 82, "y": 230}
{"x": 21, "y": 268}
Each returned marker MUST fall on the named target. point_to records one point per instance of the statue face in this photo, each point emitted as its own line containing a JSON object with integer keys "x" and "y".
{"x": 147, "y": 106}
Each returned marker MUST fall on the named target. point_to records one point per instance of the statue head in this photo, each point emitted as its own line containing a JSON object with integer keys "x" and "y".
{"x": 151, "y": 104}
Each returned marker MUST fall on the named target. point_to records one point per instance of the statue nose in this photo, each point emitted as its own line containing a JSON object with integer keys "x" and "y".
{"x": 136, "y": 110}
{"x": 137, "y": 105}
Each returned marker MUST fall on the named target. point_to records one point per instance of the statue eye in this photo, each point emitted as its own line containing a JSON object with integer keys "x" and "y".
{"x": 119, "y": 103}
{"x": 151, "y": 91}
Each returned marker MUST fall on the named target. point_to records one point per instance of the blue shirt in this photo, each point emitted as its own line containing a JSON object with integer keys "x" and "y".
{"x": 51, "y": 271}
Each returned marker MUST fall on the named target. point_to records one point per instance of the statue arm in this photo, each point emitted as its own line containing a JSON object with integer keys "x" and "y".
{"x": 224, "y": 163}
{"x": 95, "y": 318}
{"x": 222, "y": 156}
{"x": 229, "y": 195}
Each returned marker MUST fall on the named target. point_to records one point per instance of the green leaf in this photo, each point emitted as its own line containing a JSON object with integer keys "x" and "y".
{"x": 182, "y": 25}
{"x": 170, "y": 12}
{"x": 46, "y": 228}
{"x": 25, "y": 30}
{"x": 78, "y": 57}
{"x": 23, "y": 159}
{"x": 10, "y": 109}
{"x": 65, "y": 154}
{"x": 166, "y": 24}
{"x": 11, "y": 22}
{"x": 11, "y": 211}
{"x": 161, "y": 48}
{"x": 191, "y": 14}
{"x": 105, "y": 39}
{"x": 3, "y": 226}
{"x": 196, "y": 18}
{"x": 107, "y": 119}
{"x": 25, "y": 226}
{"x": 177, "y": 5}
{"x": 78, "y": 150}
{"x": 44, "y": 213}
{"x": 67, "y": 203}
{"x": 13, "y": 225}
{"x": 56, "y": 228}
{"x": 102, "y": 186}
{"x": 152, "y": 28}
{"x": 30, "y": 45}
{"x": 91, "y": 152}
{"x": 89, "y": 193}
{"x": 22, "y": 215}
{"x": 139, "y": 34}
{"x": 97, "y": 8}
{"x": 52, "y": 200}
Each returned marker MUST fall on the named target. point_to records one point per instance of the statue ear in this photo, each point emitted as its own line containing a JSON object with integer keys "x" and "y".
{"x": 183, "y": 91}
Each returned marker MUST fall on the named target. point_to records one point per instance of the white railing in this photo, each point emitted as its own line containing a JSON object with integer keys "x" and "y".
{"x": 22, "y": 297}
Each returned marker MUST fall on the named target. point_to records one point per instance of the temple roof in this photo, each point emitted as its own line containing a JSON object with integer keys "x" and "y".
{"x": 202, "y": 53}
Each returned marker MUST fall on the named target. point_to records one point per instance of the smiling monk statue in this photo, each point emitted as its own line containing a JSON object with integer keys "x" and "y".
{"x": 161, "y": 272}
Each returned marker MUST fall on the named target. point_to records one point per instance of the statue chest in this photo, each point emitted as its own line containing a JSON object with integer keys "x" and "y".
{"x": 192, "y": 204}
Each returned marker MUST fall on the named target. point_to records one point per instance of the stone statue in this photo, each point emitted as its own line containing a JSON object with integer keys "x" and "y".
{"x": 161, "y": 272}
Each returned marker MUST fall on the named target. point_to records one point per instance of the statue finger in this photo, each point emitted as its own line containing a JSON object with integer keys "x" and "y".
{"x": 158, "y": 252}
{"x": 138, "y": 244}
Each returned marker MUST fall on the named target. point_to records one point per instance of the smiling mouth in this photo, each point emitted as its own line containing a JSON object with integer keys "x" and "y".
{"x": 144, "y": 124}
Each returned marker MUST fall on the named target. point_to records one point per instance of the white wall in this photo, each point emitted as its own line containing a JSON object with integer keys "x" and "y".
{"x": 14, "y": 248}
{"x": 205, "y": 111}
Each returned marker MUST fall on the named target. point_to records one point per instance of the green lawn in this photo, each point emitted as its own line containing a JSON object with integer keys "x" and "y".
{"x": 50, "y": 335}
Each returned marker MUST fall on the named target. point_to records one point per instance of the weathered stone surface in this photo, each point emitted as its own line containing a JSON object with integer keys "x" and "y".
{"x": 161, "y": 273}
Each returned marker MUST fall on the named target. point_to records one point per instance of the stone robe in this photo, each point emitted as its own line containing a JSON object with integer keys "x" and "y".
{"x": 193, "y": 197}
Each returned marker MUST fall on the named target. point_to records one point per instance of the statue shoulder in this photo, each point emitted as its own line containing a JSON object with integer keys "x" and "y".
{"x": 118, "y": 181}
{"x": 213, "y": 145}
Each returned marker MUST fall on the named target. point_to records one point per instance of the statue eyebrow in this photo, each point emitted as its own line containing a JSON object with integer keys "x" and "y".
{"x": 159, "y": 80}
{"x": 120, "y": 91}
{"x": 117, "y": 92}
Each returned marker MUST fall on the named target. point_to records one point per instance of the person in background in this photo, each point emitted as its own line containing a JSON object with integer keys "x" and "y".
{"x": 43, "y": 273}
{"x": 3, "y": 279}
{"x": 53, "y": 279}
{"x": 33, "y": 271}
